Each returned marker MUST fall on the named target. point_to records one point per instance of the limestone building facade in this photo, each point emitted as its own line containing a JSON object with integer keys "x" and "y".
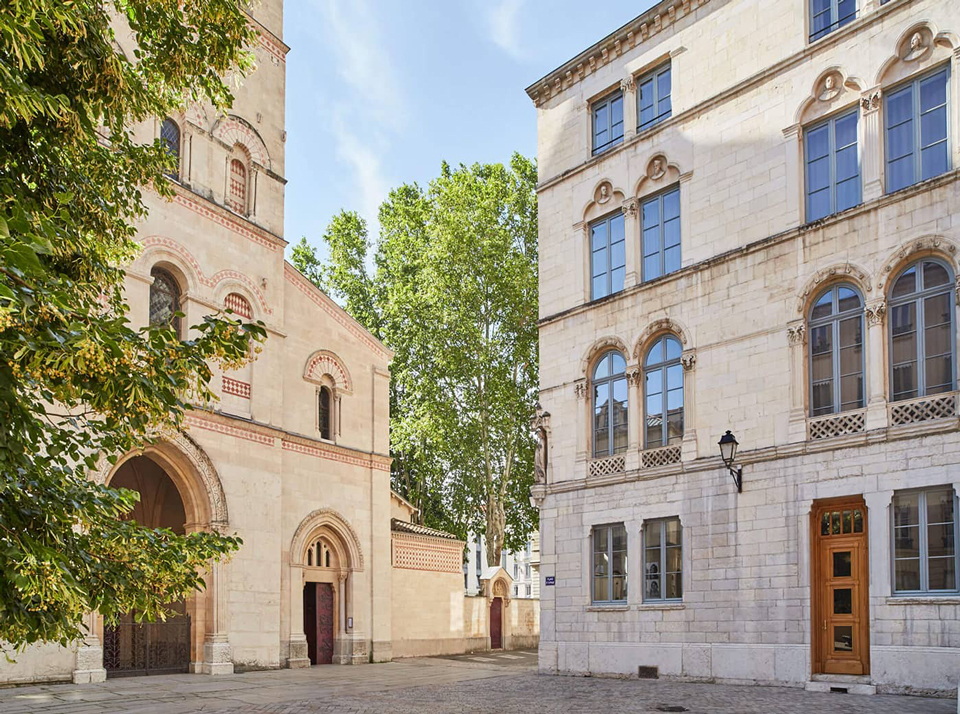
{"x": 294, "y": 458}
{"x": 750, "y": 221}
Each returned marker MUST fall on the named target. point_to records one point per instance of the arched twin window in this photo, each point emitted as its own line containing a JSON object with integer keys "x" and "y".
{"x": 662, "y": 399}
{"x": 836, "y": 351}
{"x": 170, "y": 136}
{"x": 610, "y": 404}
{"x": 325, "y": 421}
{"x": 922, "y": 331}
{"x": 164, "y": 300}
{"x": 663, "y": 393}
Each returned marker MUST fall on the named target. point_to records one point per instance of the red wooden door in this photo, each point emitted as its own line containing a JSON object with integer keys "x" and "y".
{"x": 325, "y": 620}
{"x": 496, "y": 623}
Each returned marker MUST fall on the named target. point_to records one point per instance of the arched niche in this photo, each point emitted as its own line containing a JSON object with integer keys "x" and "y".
{"x": 918, "y": 48}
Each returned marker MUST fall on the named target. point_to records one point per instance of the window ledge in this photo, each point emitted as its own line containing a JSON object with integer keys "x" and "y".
{"x": 662, "y": 606}
{"x": 947, "y": 599}
{"x": 608, "y": 608}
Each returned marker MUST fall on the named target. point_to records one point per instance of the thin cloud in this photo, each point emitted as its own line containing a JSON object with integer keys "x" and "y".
{"x": 503, "y": 20}
{"x": 362, "y": 154}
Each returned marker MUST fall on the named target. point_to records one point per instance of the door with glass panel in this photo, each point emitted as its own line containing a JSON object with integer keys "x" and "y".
{"x": 841, "y": 622}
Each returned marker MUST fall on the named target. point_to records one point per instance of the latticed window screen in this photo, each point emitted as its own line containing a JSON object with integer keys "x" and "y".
{"x": 164, "y": 300}
{"x": 238, "y": 303}
{"x": 237, "y": 193}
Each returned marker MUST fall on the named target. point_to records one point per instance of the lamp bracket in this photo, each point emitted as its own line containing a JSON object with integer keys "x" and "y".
{"x": 737, "y": 474}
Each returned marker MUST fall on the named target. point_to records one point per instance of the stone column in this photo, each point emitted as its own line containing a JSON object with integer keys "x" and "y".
{"x": 629, "y": 89}
{"x": 631, "y": 242}
{"x": 871, "y": 146}
{"x": 876, "y": 417}
{"x": 581, "y": 257}
{"x": 581, "y": 390}
{"x": 796, "y": 335}
{"x": 90, "y": 667}
{"x": 688, "y": 450}
{"x": 878, "y": 528}
{"x": 794, "y": 168}
{"x": 634, "y": 418}
{"x": 298, "y": 655}
{"x": 217, "y": 656}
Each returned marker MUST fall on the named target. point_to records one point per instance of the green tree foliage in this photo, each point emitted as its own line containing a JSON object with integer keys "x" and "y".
{"x": 76, "y": 380}
{"x": 454, "y": 293}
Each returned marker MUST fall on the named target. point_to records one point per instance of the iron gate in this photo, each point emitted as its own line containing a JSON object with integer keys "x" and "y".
{"x": 133, "y": 648}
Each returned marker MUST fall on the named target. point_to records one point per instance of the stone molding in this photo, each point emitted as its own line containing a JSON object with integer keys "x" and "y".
{"x": 325, "y": 362}
{"x": 332, "y": 519}
{"x": 859, "y": 276}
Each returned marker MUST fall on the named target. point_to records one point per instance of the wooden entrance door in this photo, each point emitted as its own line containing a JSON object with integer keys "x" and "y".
{"x": 841, "y": 621}
{"x": 496, "y": 623}
{"x": 318, "y": 621}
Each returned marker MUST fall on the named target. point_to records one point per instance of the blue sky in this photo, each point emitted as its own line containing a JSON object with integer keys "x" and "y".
{"x": 379, "y": 92}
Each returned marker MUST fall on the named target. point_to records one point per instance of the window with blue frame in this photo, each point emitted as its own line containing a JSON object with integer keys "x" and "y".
{"x": 832, "y": 166}
{"x": 653, "y": 97}
{"x": 829, "y": 15}
{"x": 660, "y": 217}
{"x": 916, "y": 121}
{"x": 607, "y": 122}
{"x": 607, "y": 256}
{"x": 925, "y": 541}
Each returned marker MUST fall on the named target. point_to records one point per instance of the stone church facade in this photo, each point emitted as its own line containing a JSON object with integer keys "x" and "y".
{"x": 750, "y": 221}
{"x": 294, "y": 458}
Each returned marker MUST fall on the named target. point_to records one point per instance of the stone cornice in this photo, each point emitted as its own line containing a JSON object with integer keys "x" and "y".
{"x": 763, "y": 455}
{"x": 230, "y": 220}
{"x": 320, "y": 298}
{"x": 272, "y": 436}
{"x": 789, "y": 234}
{"x": 269, "y": 40}
{"x": 763, "y": 75}
{"x": 640, "y": 29}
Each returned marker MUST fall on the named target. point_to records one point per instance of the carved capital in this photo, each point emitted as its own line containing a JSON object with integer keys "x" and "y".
{"x": 633, "y": 377}
{"x": 875, "y": 313}
{"x": 580, "y": 389}
{"x": 630, "y": 207}
{"x": 627, "y": 85}
{"x": 870, "y": 101}
{"x": 797, "y": 333}
{"x": 688, "y": 360}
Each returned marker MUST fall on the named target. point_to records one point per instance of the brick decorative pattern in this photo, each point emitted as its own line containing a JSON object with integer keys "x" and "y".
{"x": 328, "y": 363}
{"x": 832, "y": 425}
{"x": 233, "y": 130}
{"x": 664, "y": 456}
{"x": 236, "y": 388}
{"x": 238, "y": 303}
{"x": 212, "y": 281}
{"x": 237, "y": 194}
{"x": 413, "y": 552}
{"x": 608, "y": 466}
{"x": 923, "y": 409}
{"x": 331, "y": 308}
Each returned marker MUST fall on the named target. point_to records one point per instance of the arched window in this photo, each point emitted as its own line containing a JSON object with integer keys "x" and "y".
{"x": 836, "y": 351}
{"x": 922, "y": 331}
{"x": 610, "y": 405}
{"x": 164, "y": 300}
{"x": 237, "y": 191}
{"x": 170, "y": 136}
{"x": 663, "y": 393}
{"x": 326, "y": 413}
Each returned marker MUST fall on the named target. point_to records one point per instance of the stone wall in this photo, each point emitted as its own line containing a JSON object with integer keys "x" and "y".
{"x": 745, "y": 84}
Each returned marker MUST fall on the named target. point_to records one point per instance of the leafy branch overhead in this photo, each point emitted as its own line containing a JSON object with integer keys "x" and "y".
{"x": 454, "y": 293}
{"x": 76, "y": 379}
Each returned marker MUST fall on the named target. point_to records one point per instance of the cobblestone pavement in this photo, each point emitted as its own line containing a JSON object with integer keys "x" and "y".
{"x": 458, "y": 685}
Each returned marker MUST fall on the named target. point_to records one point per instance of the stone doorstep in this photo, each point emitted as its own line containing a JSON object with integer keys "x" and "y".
{"x": 840, "y": 683}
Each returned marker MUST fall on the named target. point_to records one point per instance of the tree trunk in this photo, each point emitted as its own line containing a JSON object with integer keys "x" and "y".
{"x": 496, "y": 528}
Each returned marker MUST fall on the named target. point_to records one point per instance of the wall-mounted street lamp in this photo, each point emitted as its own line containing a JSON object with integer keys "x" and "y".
{"x": 728, "y": 452}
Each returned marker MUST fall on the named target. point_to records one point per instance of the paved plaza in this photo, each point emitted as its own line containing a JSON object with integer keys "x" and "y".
{"x": 494, "y": 683}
